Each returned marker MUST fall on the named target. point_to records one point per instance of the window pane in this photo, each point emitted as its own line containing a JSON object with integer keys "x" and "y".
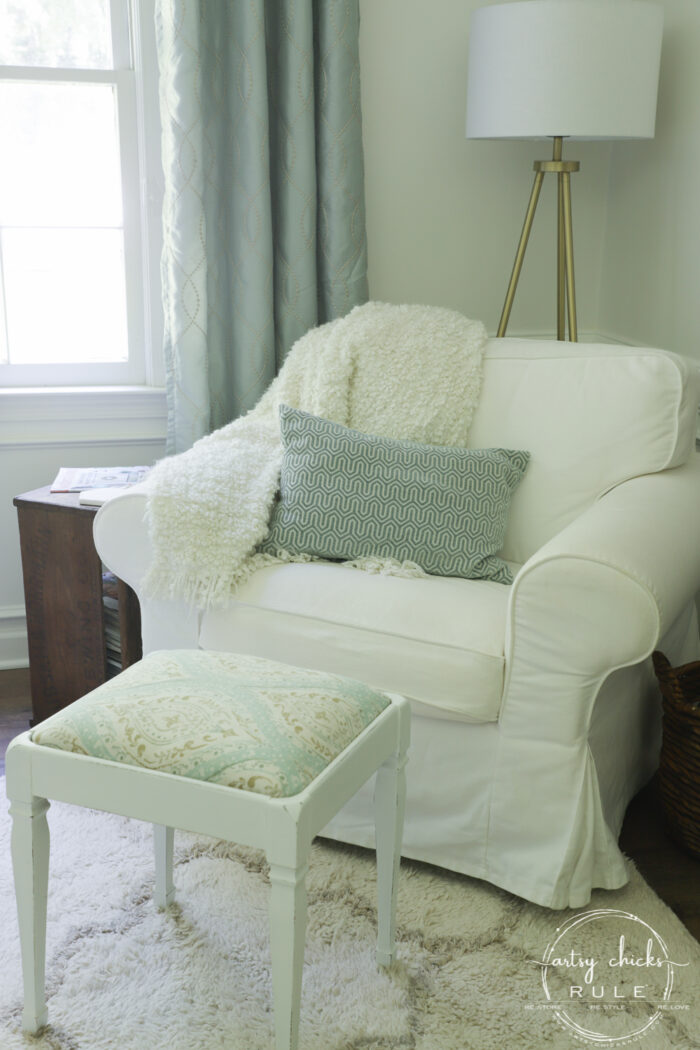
{"x": 65, "y": 298}
{"x": 64, "y": 33}
{"x": 60, "y": 156}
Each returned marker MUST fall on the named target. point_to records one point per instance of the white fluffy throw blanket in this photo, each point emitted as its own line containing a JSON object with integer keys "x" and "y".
{"x": 408, "y": 372}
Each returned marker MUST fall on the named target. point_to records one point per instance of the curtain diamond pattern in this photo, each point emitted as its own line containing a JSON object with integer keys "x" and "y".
{"x": 264, "y": 228}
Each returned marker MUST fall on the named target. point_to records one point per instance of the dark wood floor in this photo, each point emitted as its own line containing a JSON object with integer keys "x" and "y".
{"x": 15, "y": 707}
{"x": 673, "y": 874}
{"x": 668, "y": 869}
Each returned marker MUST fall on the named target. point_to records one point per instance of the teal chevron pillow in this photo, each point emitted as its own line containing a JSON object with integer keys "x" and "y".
{"x": 346, "y": 495}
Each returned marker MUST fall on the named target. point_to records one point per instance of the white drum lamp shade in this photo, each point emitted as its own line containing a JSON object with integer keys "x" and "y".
{"x": 582, "y": 69}
{"x": 562, "y": 69}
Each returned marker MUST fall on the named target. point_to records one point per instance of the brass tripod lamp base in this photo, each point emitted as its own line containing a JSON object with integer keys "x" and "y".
{"x": 566, "y": 292}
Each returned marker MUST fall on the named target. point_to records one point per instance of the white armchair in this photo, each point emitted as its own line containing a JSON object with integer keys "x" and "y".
{"x": 535, "y": 710}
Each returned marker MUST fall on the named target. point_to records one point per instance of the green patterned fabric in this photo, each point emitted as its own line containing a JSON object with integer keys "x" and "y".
{"x": 348, "y": 495}
{"x": 240, "y": 721}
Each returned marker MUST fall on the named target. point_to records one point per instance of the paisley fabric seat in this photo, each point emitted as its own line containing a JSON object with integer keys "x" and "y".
{"x": 240, "y": 721}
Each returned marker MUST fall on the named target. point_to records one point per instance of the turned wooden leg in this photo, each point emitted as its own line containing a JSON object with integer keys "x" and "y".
{"x": 287, "y": 935}
{"x": 30, "y": 862}
{"x": 163, "y": 838}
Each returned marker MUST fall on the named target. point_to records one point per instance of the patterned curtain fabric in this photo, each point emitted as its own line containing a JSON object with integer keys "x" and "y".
{"x": 264, "y": 226}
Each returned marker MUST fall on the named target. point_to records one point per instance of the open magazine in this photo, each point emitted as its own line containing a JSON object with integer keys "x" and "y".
{"x": 77, "y": 479}
{"x": 97, "y": 484}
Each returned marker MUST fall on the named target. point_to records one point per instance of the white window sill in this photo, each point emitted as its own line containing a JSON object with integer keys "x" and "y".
{"x": 82, "y": 415}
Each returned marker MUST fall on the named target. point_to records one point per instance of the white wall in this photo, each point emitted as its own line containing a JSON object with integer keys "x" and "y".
{"x": 444, "y": 214}
{"x": 651, "y": 261}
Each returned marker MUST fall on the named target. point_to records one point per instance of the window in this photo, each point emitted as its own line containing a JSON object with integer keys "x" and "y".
{"x": 78, "y": 210}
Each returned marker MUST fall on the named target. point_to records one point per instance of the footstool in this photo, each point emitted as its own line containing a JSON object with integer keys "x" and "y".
{"x": 235, "y": 747}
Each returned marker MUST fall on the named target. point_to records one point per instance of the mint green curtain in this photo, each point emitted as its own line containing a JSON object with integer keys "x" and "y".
{"x": 263, "y": 219}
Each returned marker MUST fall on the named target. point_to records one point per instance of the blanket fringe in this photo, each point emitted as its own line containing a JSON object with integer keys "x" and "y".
{"x": 201, "y": 592}
{"x": 221, "y": 590}
{"x": 388, "y": 567}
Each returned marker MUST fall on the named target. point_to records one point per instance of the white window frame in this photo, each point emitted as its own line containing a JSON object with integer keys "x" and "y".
{"x": 135, "y": 78}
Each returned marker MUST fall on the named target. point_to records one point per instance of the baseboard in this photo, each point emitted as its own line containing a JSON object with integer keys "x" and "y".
{"x": 13, "y": 637}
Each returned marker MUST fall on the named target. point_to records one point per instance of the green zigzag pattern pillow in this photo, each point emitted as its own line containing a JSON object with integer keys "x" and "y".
{"x": 347, "y": 495}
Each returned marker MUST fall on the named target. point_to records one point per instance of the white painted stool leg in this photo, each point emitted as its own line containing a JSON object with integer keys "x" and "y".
{"x": 389, "y": 806}
{"x": 163, "y": 838}
{"x": 287, "y": 936}
{"x": 30, "y": 862}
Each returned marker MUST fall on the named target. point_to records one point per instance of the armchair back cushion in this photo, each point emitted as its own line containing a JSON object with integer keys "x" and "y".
{"x": 591, "y": 416}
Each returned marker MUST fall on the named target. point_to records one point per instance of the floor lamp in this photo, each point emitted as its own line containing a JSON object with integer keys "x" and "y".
{"x": 580, "y": 69}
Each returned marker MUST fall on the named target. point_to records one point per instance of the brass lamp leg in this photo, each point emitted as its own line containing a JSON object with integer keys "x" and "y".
{"x": 520, "y": 254}
{"x": 557, "y": 145}
{"x": 569, "y": 252}
{"x": 561, "y": 262}
{"x": 565, "y": 242}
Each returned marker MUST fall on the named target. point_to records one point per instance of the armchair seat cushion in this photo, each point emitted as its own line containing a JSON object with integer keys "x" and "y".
{"x": 436, "y": 640}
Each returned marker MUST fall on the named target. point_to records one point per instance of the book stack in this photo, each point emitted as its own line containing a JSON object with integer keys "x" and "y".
{"x": 113, "y": 638}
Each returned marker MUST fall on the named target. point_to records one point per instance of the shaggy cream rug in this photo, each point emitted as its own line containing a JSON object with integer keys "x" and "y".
{"x": 122, "y": 976}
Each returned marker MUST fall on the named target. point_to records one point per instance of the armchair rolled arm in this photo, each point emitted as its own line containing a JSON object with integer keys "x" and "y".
{"x": 121, "y": 536}
{"x": 122, "y": 541}
{"x": 599, "y": 595}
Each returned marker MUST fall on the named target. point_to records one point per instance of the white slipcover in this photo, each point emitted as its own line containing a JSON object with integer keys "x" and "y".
{"x": 438, "y": 641}
{"x": 536, "y": 716}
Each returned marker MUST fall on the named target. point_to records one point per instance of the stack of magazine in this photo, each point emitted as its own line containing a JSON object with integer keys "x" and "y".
{"x": 113, "y": 640}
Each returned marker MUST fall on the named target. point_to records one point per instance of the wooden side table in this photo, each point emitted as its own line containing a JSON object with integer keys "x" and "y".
{"x": 63, "y": 596}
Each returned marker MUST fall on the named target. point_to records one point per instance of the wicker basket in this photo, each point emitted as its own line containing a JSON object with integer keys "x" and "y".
{"x": 679, "y": 768}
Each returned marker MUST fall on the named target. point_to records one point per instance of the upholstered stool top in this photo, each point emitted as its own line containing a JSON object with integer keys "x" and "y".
{"x": 240, "y": 721}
